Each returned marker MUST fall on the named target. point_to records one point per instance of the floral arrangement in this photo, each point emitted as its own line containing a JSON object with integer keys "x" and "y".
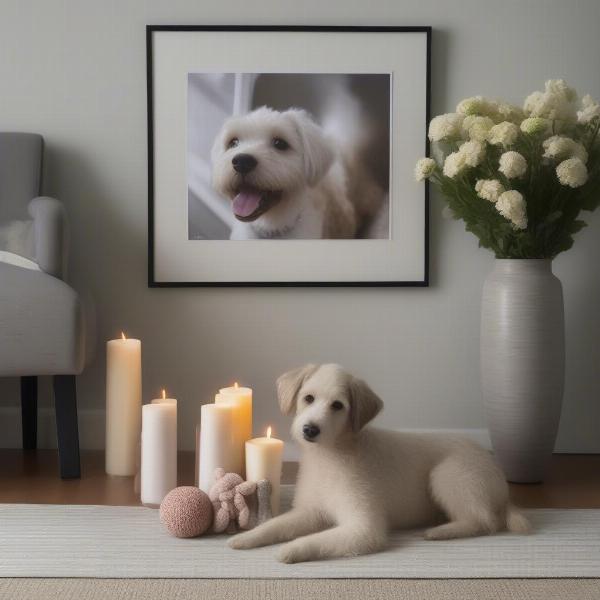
{"x": 519, "y": 178}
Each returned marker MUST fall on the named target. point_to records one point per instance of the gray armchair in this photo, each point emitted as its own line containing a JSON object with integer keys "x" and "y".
{"x": 41, "y": 317}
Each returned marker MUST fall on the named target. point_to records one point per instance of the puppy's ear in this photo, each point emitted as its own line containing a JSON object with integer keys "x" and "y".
{"x": 289, "y": 384}
{"x": 317, "y": 149}
{"x": 364, "y": 403}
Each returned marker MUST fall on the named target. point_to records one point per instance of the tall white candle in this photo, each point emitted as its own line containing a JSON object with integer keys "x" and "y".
{"x": 217, "y": 442}
{"x": 123, "y": 405}
{"x": 159, "y": 450}
{"x": 241, "y": 399}
{"x": 263, "y": 461}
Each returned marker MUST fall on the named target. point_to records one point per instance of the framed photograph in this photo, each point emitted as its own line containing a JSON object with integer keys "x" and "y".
{"x": 284, "y": 156}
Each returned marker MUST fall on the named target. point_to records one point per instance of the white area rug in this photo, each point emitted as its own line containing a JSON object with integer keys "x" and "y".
{"x": 129, "y": 542}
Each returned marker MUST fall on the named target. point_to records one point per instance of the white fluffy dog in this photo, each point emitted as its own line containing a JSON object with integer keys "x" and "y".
{"x": 356, "y": 483}
{"x": 287, "y": 179}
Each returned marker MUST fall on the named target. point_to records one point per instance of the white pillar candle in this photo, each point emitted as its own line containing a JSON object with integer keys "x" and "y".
{"x": 263, "y": 461}
{"x": 159, "y": 450}
{"x": 217, "y": 442}
{"x": 241, "y": 399}
{"x": 123, "y": 405}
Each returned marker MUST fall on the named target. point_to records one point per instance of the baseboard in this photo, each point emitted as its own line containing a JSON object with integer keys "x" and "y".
{"x": 91, "y": 432}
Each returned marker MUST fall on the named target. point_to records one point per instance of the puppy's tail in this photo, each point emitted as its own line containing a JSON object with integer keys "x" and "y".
{"x": 516, "y": 521}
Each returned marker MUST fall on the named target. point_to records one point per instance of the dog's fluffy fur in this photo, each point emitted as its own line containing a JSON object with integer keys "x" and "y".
{"x": 356, "y": 483}
{"x": 304, "y": 187}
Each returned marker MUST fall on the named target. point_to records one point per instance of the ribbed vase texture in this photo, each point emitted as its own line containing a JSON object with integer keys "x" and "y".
{"x": 522, "y": 364}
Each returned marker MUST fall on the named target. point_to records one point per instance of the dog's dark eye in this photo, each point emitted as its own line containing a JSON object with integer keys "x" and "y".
{"x": 280, "y": 144}
{"x": 309, "y": 399}
{"x": 337, "y": 405}
{"x": 233, "y": 142}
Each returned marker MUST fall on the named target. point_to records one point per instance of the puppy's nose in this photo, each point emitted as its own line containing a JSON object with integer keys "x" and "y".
{"x": 310, "y": 431}
{"x": 244, "y": 163}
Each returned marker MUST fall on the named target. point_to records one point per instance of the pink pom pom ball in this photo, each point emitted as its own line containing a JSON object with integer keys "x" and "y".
{"x": 186, "y": 512}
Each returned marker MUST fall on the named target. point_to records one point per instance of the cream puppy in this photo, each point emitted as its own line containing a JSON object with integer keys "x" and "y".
{"x": 285, "y": 178}
{"x": 356, "y": 482}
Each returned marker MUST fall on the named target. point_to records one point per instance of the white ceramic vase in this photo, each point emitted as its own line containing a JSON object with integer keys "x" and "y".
{"x": 522, "y": 364}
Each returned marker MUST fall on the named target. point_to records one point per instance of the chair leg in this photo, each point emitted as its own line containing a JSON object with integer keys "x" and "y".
{"x": 29, "y": 412}
{"x": 65, "y": 402}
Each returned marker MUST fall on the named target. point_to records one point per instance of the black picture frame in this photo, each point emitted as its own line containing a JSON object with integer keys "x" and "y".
{"x": 151, "y": 29}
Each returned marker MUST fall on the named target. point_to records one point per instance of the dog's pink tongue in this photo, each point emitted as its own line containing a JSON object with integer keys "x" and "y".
{"x": 245, "y": 203}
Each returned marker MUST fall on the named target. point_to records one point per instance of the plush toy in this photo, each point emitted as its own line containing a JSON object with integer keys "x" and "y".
{"x": 238, "y": 504}
{"x": 230, "y": 507}
{"x": 186, "y": 512}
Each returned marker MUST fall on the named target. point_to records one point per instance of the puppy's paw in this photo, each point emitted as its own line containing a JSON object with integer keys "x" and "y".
{"x": 293, "y": 553}
{"x": 241, "y": 541}
{"x": 431, "y": 534}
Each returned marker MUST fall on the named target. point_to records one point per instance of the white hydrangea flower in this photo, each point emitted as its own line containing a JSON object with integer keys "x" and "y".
{"x": 473, "y": 151}
{"x": 477, "y": 105}
{"x": 533, "y": 101}
{"x": 535, "y": 125}
{"x": 572, "y": 172}
{"x": 445, "y": 127}
{"x": 556, "y": 102}
{"x": 559, "y": 86}
{"x": 424, "y": 168}
{"x": 511, "y": 205}
{"x": 504, "y": 134}
{"x": 590, "y": 110}
{"x": 454, "y": 164}
{"x": 512, "y": 164}
{"x": 559, "y": 147}
{"x": 476, "y": 127}
{"x": 489, "y": 189}
{"x": 510, "y": 112}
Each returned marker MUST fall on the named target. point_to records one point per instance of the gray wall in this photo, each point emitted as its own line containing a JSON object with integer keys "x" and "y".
{"x": 75, "y": 72}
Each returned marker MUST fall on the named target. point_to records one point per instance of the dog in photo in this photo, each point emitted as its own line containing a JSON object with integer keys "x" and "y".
{"x": 287, "y": 179}
{"x": 356, "y": 483}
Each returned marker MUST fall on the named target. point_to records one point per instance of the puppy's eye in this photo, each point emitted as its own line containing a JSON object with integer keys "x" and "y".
{"x": 309, "y": 399}
{"x": 280, "y": 144}
{"x": 233, "y": 142}
{"x": 337, "y": 405}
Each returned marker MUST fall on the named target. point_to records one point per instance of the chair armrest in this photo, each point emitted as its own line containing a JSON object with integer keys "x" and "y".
{"x": 42, "y": 326}
{"x": 50, "y": 235}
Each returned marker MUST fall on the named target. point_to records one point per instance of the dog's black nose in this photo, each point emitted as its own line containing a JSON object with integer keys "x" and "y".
{"x": 244, "y": 163}
{"x": 310, "y": 431}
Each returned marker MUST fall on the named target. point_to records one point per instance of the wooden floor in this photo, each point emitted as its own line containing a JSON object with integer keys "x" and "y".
{"x": 32, "y": 477}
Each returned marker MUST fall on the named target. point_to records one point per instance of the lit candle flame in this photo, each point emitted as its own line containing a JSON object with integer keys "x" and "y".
{"x": 123, "y": 336}
{"x": 236, "y": 385}
{"x": 164, "y": 394}
{"x": 268, "y": 432}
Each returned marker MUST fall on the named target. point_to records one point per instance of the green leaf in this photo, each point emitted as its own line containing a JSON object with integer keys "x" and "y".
{"x": 576, "y": 226}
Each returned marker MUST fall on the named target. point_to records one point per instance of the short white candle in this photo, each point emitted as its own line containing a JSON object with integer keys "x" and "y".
{"x": 241, "y": 399}
{"x": 123, "y": 405}
{"x": 263, "y": 461}
{"x": 159, "y": 450}
{"x": 217, "y": 442}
